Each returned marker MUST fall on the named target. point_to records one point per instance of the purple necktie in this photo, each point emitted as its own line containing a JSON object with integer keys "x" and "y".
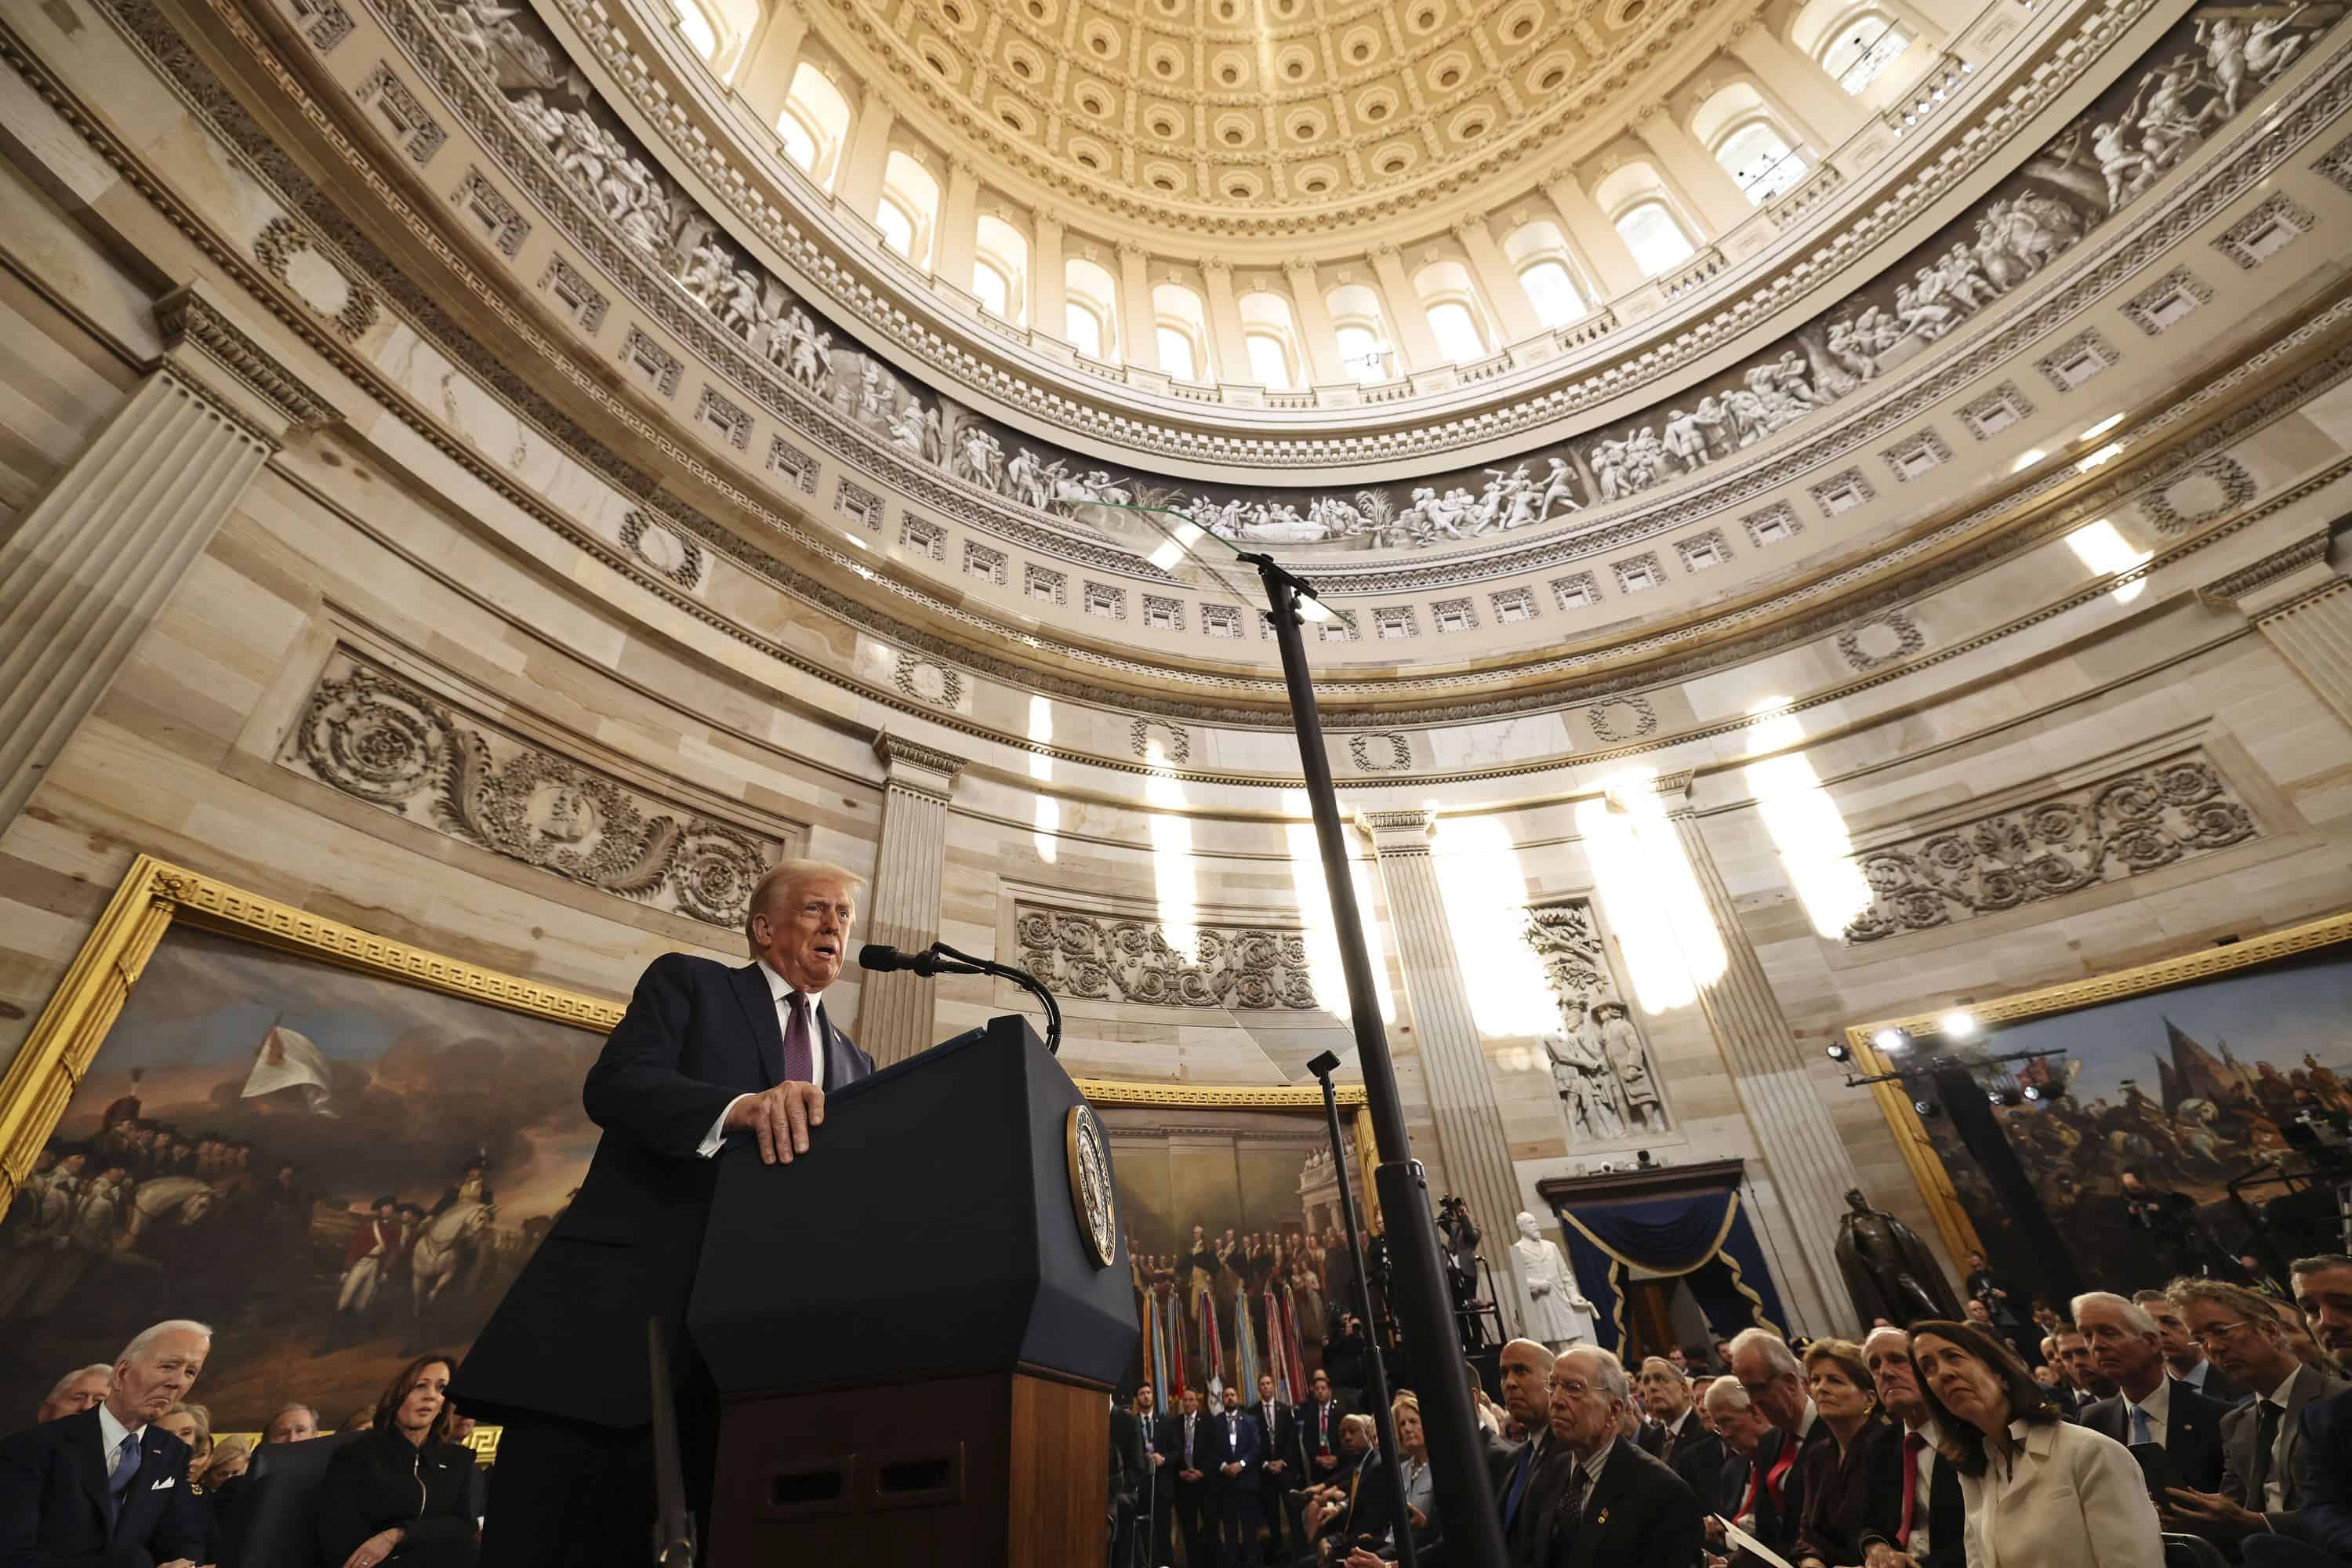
{"x": 797, "y": 1063}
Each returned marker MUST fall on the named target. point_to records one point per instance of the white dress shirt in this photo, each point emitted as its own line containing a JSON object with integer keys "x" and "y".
{"x": 2158, "y": 1406}
{"x": 2069, "y": 1498}
{"x": 1923, "y": 1495}
{"x": 2273, "y": 1498}
{"x": 110, "y": 1433}
{"x": 787, "y": 999}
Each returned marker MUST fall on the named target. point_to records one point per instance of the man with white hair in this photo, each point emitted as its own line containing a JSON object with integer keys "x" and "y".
{"x": 2151, "y": 1405}
{"x": 1774, "y": 1380}
{"x": 1931, "y": 1521}
{"x": 706, "y": 1054}
{"x": 107, "y": 1486}
{"x": 78, "y": 1390}
{"x": 1741, "y": 1428}
{"x": 1619, "y": 1507}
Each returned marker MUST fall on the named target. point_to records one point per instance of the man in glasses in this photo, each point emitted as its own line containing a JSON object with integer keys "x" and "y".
{"x": 2262, "y": 1468}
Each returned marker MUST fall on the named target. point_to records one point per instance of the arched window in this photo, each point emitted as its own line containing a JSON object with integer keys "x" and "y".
{"x": 1862, "y": 46}
{"x": 1364, "y": 338}
{"x": 1655, "y": 238}
{"x": 1181, "y": 328}
{"x": 1091, "y": 297}
{"x": 1539, "y": 252}
{"x": 1272, "y": 339}
{"x": 908, "y": 209}
{"x": 999, "y": 268}
{"x": 1756, "y": 154}
{"x": 814, "y": 124}
{"x": 1453, "y": 309}
{"x": 696, "y": 28}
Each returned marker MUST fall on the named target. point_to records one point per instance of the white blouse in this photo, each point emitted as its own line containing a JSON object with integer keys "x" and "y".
{"x": 2070, "y": 1498}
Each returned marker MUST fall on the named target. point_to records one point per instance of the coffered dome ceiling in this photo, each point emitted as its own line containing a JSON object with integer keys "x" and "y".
{"x": 1262, "y": 114}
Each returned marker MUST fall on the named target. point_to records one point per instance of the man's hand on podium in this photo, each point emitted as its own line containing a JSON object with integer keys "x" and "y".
{"x": 779, "y": 1118}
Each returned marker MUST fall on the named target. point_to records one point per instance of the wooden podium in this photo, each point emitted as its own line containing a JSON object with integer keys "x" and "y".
{"x": 913, "y": 1337}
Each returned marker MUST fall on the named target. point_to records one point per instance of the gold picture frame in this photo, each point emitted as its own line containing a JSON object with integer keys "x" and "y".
{"x": 151, "y": 896}
{"x": 1926, "y": 1167}
{"x": 1104, "y": 1092}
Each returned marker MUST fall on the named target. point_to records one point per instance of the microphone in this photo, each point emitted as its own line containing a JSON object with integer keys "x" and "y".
{"x": 881, "y": 958}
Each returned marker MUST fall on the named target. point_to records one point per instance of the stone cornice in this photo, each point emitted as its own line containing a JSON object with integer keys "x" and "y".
{"x": 2278, "y": 579}
{"x": 189, "y": 320}
{"x": 901, "y": 756}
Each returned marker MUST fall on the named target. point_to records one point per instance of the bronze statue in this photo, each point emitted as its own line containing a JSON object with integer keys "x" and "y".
{"x": 1888, "y": 1270}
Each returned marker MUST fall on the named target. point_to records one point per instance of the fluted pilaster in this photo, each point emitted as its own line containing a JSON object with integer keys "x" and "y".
{"x": 1461, "y": 1091}
{"x": 88, "y": 567}
{"x": 1810, "y": 1167}
{"x": 902, "y": 907}
{"x": 2299, "y": 600}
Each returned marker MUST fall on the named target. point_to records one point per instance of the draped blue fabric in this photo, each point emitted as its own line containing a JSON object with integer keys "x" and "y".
{"x": 1705, "y": 1238}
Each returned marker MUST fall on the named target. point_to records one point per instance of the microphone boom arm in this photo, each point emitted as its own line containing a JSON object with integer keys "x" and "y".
{"x": 1021, "y": 977}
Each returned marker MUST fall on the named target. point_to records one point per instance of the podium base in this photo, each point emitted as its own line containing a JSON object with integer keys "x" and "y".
{"x": 1010, "y": 1468}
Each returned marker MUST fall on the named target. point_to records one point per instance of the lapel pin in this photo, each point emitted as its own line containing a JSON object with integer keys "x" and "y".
{"x": 1601, "y": 1517}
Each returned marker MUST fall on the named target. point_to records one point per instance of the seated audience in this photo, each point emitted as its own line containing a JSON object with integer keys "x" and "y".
{"x": 1768, "y": 1370}
{"x": 1852, "y": 1482}
{"x": 1524, "y": 1473}
{"x": 1353, "y": 1510}
{"x": 2323, "y": 1304}
{"x": 402, "y": 1493}
{"x": 359, "y": 1420}
{"x": 1741, "y": 1428}
{"x": 294, "y": 1424}
{"x": 231, "y": 1455}
{"x": 1928, "y": 1509}
{"x": 1618, "y": 1507}
{"x": 2150, "y": 1405}
{"x": 1412, "y": 1463}
{"x": 76, "y": 1392}
{"x": 1678, "y": 1431}
{"x": 2183, "y": 1356}
{"x": 2323, "y": 1535}
{"x": 193, "y": 1424}
{"x": 108, "y": 1485}
{"x": 2261, "y": 1441}
{"x": 2038, "y": 1492}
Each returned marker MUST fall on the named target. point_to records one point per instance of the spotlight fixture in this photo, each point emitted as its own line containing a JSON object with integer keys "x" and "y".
{"x": 1838, "y": 1052}
{"x": 2002, "y": 1096}
{"x": 1927, "y": 1108}
{"x": 1891, "y": 1039}
{"x": 2044, "y": 1094}
{"x": 1958, "y": 1026}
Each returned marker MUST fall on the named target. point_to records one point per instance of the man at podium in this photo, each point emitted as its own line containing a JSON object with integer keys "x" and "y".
{"x": 705, "y": 1054}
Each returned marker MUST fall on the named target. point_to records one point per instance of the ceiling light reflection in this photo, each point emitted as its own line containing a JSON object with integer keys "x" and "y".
{"x": 1649, "y": 894}
{"x": 1806, "y": 826}
{"x": 2101, "y": 547}
{"x": 1483, "y": 889}
{"x": 1173, "y": 878}
{"x": 1313, "y": 896}
{"x": 1046, "y": 823}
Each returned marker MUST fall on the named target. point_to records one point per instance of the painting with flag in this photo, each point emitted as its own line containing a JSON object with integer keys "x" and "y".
{"x": 1231, "y": 1203}
{"x": 300, "y": 1153}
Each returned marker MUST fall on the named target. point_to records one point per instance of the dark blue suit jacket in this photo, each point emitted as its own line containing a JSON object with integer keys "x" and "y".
{"x": 53, "y": 1501}
{"x": 2327, "y": 1464}
{"x": 1248, "y": 1447}
{"x": 697, "y": 1035}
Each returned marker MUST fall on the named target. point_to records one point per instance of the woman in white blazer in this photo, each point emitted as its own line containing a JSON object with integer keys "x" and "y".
{"x": 2039, "y": 1493}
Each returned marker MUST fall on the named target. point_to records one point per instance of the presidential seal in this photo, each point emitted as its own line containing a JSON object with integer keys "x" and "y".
{"x": 1091, "y": 1198}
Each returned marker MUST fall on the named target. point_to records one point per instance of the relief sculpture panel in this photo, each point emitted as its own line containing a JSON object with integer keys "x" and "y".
{"x": 1107, "y": 957}
{"x": 384, "y": 740}
{"x": 1600, "y": 1065}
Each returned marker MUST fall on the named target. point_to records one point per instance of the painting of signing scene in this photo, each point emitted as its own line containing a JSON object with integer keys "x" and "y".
{"x": 1236, "y": 1237}
{"x": 334, "y": 1167}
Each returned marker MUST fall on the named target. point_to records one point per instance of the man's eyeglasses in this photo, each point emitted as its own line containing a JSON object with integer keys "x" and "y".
{"x": 2213, "y": 1334}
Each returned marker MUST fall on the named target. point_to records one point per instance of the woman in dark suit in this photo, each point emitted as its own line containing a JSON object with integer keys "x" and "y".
{"x": 403, "y": 1493}
{"x": 1852, "y": 1484}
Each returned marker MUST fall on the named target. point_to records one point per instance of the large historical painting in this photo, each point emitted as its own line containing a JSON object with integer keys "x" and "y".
{"x": 334, "y": 1166}
{"x": 1233, "y": 1232}
{"x": 2196, "y": 1074}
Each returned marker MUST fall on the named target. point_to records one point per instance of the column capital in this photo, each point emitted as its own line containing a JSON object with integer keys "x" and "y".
{"x": 1740, "y": 31}
{"x": 1297, "y": 267}
{"x": 1050, "y": 217}
{"x": 1133, "y": 250}
{"x": 1217, "y": 266}
{"x": 225, "y": 363}
{"x": 1653, "y": 109}
{"x": 1404, "y": 832}
{"x": 1386, "y": 251}
{"x": 1470, "y": 224}
{"x": 2279, "y": 579}
{"x": 913, "y": 766}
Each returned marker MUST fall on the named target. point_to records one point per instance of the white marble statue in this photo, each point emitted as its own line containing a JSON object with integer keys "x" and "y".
{"x": 1554, "y": 1309}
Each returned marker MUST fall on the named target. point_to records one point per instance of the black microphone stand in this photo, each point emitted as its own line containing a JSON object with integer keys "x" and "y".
{"x": 1375, "y": 1365}
{"x": 1465, "y": 1496}
{"x": 965, "y": 963}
